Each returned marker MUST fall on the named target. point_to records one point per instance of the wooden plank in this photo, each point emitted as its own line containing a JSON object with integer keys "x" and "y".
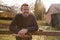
{"x": 47, "y": 33}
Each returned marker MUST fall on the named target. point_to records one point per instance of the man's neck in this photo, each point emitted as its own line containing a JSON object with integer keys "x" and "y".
{"x": 25, "y": 15}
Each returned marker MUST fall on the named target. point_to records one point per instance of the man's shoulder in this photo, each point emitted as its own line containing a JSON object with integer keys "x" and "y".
{"x": 32, "y": 15}
{"x": 18, "y": 14}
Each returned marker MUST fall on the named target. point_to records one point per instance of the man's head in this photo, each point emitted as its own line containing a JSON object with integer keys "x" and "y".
{"x": 25, "y": 8}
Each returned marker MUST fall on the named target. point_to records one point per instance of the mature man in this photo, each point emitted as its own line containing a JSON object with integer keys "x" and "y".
{"x": 23, "y": 24}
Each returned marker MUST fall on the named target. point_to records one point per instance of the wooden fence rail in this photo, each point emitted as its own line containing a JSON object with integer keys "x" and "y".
{"x": 40, "y": 32}
{"x": 47, "y": 33}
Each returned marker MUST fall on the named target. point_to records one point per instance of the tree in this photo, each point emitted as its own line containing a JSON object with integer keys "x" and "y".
{"x": 39, "y": 10}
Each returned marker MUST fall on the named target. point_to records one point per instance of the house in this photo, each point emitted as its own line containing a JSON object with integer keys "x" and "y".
{"x": 53, "y": 15}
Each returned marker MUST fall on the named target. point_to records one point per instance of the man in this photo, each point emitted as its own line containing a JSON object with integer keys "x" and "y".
{"x": 23, "y": 24}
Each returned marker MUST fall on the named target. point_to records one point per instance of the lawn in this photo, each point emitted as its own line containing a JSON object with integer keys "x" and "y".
{"x": 34, "y": 37}
{"x": 5, "y": 21}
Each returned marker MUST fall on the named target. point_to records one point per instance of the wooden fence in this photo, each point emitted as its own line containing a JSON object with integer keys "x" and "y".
{"x": 40, "y": 32}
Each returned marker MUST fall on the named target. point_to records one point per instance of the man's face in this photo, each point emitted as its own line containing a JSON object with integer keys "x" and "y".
{"x": 25, "y": 9}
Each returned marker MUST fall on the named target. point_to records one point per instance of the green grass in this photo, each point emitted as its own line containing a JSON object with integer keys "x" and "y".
{"x": 7, "y": 37}
{"x": 11, "y": 37}
{"x": 34, "y": 37}
{"x": 5, "y": 21}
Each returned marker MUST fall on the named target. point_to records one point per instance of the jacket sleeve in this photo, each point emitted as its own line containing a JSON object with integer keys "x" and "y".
{"x": 34, "y": 27}
{"x": 13, "y": 27}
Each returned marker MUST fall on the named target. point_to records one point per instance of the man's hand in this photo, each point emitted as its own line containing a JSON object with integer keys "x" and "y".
{"x": 22, "y": 33}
